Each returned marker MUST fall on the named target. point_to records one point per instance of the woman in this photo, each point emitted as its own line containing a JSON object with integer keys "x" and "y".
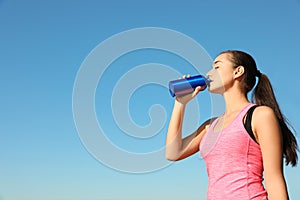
{"x": 245, "y": 144}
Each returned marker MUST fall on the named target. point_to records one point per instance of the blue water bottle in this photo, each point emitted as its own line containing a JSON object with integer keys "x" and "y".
{"x": 185, "y": 86}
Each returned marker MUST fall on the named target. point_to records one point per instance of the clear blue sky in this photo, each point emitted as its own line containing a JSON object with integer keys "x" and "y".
{"x": 43, "y": 44}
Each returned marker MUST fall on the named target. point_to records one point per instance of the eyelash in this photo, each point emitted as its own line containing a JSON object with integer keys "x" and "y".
{"x": 217, "y": 67}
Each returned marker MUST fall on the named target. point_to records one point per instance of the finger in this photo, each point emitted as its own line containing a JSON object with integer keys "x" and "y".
{"x": 188, "y": 76}
{"x": 196, "y": 91}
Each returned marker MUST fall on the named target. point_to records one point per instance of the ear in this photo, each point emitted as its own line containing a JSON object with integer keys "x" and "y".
{"x": 239, "y": 71}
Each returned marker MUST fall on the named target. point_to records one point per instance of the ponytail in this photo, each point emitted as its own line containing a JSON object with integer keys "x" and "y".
{"x": 264, "y": 95}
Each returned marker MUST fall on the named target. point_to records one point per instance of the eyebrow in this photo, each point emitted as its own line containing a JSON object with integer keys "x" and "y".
{"x": 217, "y": 61}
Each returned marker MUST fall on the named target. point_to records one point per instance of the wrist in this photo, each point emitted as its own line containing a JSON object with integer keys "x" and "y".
{"x": 179, "y": 104}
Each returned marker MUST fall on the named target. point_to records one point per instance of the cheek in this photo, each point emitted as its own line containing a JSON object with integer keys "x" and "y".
{"x": 217, "y": 78}
{"x": 221, "y": 80}
{"x": 216, "y": 86}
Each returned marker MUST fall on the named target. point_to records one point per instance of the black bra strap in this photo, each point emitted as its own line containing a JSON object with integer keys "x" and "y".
{"x": 247, "y": 124}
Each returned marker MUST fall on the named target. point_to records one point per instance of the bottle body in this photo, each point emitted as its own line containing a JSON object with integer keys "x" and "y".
{"x": 187, "y": 85}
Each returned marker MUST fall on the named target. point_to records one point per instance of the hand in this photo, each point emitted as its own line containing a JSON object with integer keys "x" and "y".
{"x": 184, "y": 99}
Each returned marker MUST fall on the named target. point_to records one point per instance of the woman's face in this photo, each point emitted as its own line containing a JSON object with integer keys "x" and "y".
{"x": 221, "y": 74}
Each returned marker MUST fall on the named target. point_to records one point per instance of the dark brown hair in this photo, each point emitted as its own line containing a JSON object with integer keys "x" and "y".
{"x": 263, "y": 94}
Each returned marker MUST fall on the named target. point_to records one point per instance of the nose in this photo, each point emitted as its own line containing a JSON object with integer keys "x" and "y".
{"x": 208, "y": 74}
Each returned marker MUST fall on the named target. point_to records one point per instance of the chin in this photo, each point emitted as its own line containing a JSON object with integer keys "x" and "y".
{"x": 216, "y": 90}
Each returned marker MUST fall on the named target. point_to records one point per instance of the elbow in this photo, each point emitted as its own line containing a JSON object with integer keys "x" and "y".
{"x": 171, "y": 157}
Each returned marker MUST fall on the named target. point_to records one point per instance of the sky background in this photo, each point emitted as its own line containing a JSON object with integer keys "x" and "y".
{"x": 42, "y": 47}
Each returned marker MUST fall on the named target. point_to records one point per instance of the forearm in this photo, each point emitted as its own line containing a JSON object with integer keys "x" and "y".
{"x": 174, "y": 136}
{"x": 276, "y": 188}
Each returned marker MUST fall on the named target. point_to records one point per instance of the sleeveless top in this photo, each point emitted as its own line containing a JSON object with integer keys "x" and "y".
{"x": 233, "y": 162}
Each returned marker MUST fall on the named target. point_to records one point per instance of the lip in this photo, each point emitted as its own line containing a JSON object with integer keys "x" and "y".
{"x": 210, "y": 81}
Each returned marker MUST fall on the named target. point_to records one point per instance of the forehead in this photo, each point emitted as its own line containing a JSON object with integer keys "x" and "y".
{"x": 222, "y": 58}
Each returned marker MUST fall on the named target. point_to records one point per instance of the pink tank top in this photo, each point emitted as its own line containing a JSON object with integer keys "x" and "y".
{"x": 233, "y": 162}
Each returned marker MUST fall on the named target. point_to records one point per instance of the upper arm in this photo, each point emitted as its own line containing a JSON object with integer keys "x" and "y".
{"x": 269, "y": 137}
{"x": 268, "y": 134}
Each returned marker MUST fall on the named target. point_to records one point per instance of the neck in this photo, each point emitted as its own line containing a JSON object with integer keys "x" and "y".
{"x": 235, "y": 100}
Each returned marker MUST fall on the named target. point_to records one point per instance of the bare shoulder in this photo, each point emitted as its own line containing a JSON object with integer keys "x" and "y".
{"x": 263, "y": 112}
{"x": 264, "y": 116}
{"x": 265, "y": 123}
{"x": 208, "y": 122}
{"x": 204, "y": 126}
